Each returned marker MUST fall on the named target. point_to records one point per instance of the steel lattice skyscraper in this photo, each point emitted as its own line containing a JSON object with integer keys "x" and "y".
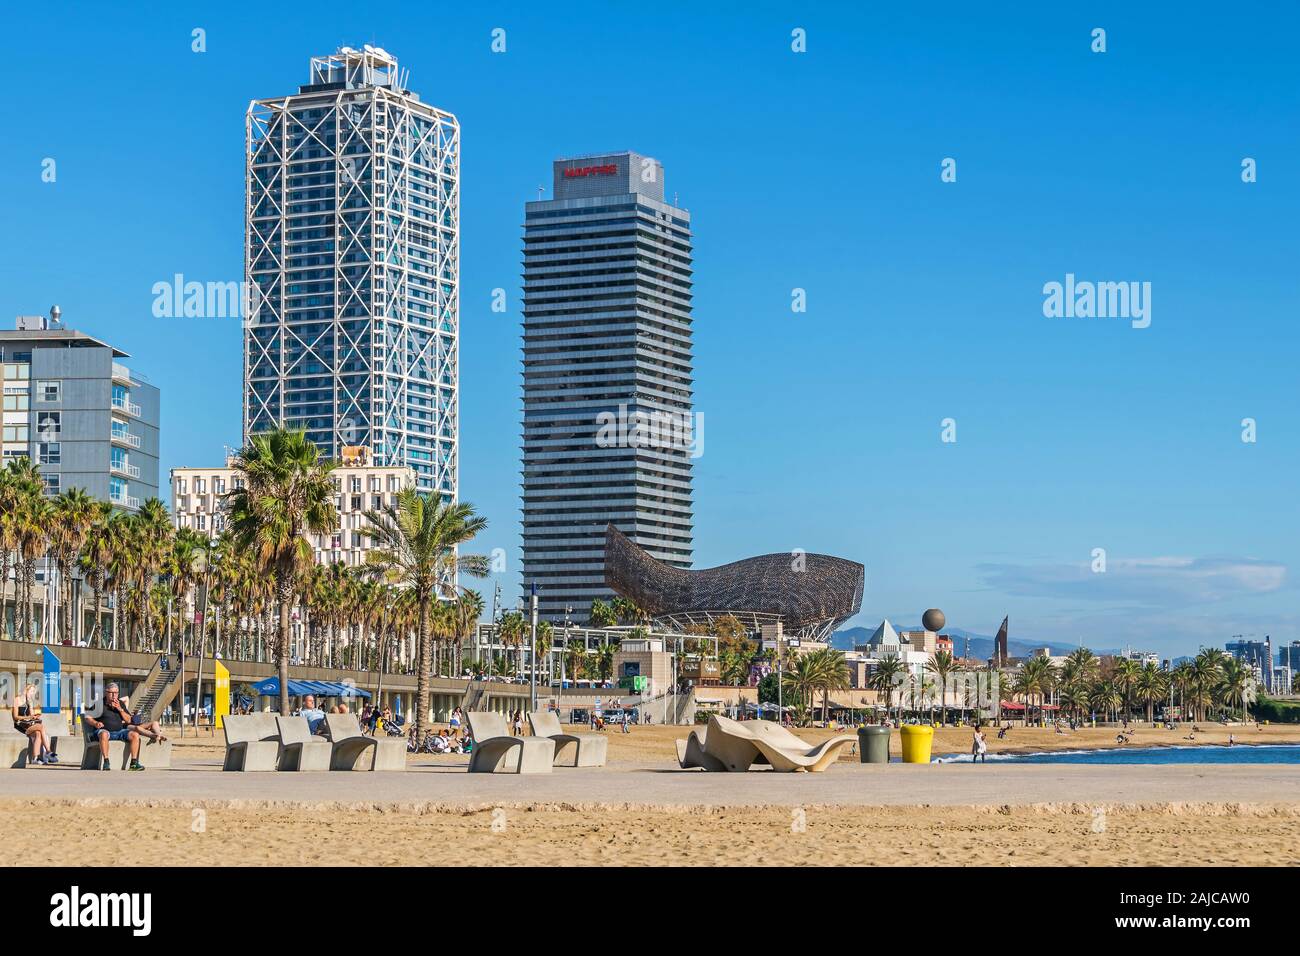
{"x": 607, "y": 338}
{"x": 353, "y": 251}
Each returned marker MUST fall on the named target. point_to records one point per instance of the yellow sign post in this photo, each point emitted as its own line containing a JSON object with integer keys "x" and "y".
{"x": 221, "y": 694}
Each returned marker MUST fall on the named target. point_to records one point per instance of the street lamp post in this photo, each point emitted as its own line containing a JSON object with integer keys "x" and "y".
{"x": 532, "y": 654}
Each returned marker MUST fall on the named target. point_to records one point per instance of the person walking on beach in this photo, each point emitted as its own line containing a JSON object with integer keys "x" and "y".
{"x": 978, "y": 746}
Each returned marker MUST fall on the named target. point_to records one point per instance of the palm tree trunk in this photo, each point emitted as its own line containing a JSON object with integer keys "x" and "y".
{"x": 284, "y": 591}
{"x": 425, "y": 668}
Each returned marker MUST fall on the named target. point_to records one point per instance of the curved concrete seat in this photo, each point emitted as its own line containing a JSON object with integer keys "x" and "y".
{"x": 571, "y": 750}
{"x": 735, "y": 746}
{"x": 495, "y": 751}
{"x": 352, "y": 750}
{"x": 300, "y": 749}
{"x": 691, "y": 753}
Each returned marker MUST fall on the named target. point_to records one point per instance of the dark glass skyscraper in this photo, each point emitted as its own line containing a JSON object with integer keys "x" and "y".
{"x": 608, "y": 431}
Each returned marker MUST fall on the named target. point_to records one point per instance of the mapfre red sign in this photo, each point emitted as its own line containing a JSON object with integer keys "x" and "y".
{"x": 577, "y": 171}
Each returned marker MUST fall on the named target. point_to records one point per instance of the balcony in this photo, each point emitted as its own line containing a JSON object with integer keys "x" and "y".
{"x": 125, "y": 438}
{"x": 128, "y": 406}
{"x": 123, "y": 500}
{"x": 122, "y": 374}
{"x": 123, "y": 468}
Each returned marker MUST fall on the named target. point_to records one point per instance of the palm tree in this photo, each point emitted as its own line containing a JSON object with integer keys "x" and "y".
{"x": 32, "y": 519}
{"x": 287, "y": 493}
{"x": 1151, "y": 686}
{"x": 1082, "y": 663}
{"x": 602, "y": 615}
{"x": 574, "y": 659}
{"x": 1036, "y": 676}
{"x": 73, "y": 512}
{"x": 184, "y": 563}
{"x": 1076, "y": 697}
{"x": 830, "y": 673}
{"x": 150, "y": 530}
{"x": 799, "y": 681}
{"x": 1182, "y": 677}
{"x": 604, "y": 661}
{"x": 545, "y": 640}
{"x": 734, "y": 667}
{"x": 416, "y": 540}
{"x": 511, "y": 630}
{"x": 941, "y": 666}
{"x": 1106, "y": 698}
{"x": 1236, "y": 685}
{"x": 10, "y": 495}
{"x": 1207, "y": 668}
{"x": 887, "y": 675}
{"x": 1125, "y": 677}
{"x": 96, "y": 553}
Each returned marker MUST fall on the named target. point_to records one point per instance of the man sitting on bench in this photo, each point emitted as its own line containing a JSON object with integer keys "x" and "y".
{"x": 150, "y": 730}
{"x": 115, "y": 724}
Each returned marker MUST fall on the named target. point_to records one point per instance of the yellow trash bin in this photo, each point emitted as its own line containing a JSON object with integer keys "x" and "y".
{"x": 916, "y": 742}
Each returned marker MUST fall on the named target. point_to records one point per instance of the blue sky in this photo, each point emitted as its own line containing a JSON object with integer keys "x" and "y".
{"x": 816, "y": 170}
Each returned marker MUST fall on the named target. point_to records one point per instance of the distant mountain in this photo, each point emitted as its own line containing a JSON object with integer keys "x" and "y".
{"x": 980, "y": 645}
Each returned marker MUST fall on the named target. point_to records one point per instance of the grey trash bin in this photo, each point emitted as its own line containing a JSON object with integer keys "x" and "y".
{"x": 873, "y": 744}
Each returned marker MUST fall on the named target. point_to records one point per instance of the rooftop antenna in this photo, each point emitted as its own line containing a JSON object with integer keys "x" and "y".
{"x": 540, "y": 190}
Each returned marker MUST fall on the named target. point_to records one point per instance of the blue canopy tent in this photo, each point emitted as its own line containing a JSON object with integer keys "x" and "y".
{"x": 300, "y": 688}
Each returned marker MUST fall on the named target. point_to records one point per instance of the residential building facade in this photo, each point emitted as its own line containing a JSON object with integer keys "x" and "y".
{"x": 81, "y": 415}
{"x": 353, "y": 251}
{"x": 199, "y": 502}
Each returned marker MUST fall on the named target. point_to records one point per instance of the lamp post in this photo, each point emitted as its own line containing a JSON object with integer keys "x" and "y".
{"x": 532, "y": 652}
{"x": 208, "y": 560}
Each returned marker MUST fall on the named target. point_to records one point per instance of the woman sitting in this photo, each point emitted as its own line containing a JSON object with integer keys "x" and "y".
{"x": 27, "y": 721}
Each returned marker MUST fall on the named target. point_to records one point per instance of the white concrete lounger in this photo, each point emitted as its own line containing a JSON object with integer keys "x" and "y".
{"x": 732, "y": 745}
{"x": 355, "y": 751}
{"x": 691, "y": 753}
{"x": 300, "y": 749}
{"x": 252, "y": 742}
{"x": 571, "y": 750}
{"x": 495, "y": 751}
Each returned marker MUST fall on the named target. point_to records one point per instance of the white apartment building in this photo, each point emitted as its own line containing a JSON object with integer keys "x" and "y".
{"x": 198, "y": 503}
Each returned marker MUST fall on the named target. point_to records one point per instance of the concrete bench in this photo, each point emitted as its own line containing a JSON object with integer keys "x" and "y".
{"x": 571, "y": 750}
{"x": 152, "y": 756}
{"x": 300, "y": 749}
{"x": 252, "y": 742}
{"x": 13, "y": 746}
{"x": 69, "y": 746}
{"x": 355, "y": 751}
{"x": 495, "y": 751}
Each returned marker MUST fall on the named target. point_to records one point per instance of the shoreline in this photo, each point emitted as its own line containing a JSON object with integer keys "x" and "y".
{"x": 1186, "y": 745}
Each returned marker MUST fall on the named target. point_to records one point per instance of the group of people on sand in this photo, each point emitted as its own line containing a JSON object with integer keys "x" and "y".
{"x": 115, "y": 722}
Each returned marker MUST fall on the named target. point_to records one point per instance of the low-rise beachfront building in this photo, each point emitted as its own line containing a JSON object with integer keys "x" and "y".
{"x": 199, "y": 502}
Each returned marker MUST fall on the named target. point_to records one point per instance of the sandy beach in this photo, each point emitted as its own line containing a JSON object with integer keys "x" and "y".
{"x": 642, "y": 810}
{"x": 71, "y": 834}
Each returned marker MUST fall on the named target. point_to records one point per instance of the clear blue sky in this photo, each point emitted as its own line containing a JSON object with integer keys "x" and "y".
{"x": 817, "y": 171}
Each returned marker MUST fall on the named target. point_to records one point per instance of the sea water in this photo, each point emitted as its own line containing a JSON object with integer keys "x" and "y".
{"x": 1204, "y": 753}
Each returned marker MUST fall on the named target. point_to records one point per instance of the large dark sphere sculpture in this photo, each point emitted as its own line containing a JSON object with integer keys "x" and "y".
{"x": 933, "y": 620}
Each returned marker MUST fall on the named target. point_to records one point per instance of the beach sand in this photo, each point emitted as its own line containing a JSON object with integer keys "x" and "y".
{"x": 164, "y": 828}
{"x": 71, "y": 834}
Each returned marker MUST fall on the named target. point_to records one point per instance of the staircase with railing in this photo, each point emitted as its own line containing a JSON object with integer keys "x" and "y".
{"x": 158, "y": 689}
